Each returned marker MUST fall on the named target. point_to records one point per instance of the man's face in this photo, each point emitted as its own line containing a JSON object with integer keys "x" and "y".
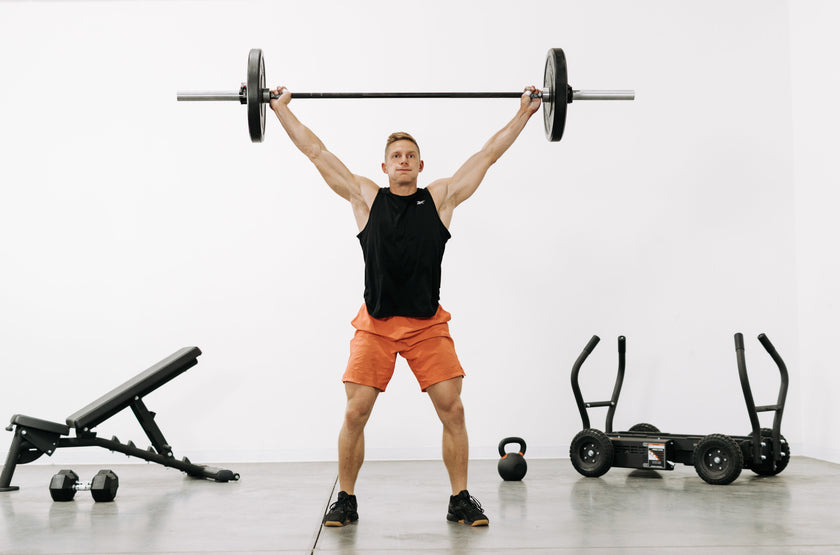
{"x": 402, "y": 162}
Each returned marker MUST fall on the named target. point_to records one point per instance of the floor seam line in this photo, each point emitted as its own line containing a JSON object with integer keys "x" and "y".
{"x": 321, "y": 519}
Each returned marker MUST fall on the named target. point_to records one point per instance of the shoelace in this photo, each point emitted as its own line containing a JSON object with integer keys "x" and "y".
{"x": 345, "y": 504}
{"x": 474, "y": 502}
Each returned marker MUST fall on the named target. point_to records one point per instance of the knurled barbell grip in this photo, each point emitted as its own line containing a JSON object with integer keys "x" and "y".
{"x": 306, "y": 95}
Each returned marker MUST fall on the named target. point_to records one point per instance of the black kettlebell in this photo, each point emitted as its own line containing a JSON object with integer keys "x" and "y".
{"x": 512, "y": 466}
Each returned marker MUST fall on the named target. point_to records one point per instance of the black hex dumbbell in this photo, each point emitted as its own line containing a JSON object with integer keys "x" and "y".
{"x": 65, "y": 484}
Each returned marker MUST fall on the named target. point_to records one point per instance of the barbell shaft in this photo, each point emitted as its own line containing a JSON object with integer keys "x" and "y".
{"x": 576, "y": 95}
{"x": 407, "y": 95}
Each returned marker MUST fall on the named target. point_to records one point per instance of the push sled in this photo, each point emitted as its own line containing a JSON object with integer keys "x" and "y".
{"x": 717, "y": 458}
{"x": 34, "y": 437}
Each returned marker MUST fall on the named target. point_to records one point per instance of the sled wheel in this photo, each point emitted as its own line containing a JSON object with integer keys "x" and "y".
{"x": 718, "y": 459}
{"x": 769, "y": 467}
{"x": 644, "y": 427}
{"x": 591, "y": 452}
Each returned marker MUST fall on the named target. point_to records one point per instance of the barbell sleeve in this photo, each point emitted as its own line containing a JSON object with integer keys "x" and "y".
{"x": 604, "y": 95}
{"x": 208, "y": 95}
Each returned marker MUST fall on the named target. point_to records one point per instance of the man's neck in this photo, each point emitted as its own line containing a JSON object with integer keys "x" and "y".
{"x": 403, "y": 189}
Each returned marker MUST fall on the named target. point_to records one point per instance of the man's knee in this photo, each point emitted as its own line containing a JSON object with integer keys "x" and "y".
{"x": 453, "y": 420}
{"x": 446, "y": 397}
{"x": 356, "y": 414}
{"x": 360, "y": 400}
{"x": 451, "y": 406}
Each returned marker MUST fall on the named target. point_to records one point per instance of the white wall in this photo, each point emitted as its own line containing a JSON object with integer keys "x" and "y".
{"x": 133, "y": 225}
{"x": 816, "y": 116}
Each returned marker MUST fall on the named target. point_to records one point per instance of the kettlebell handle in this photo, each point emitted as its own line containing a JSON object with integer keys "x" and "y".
{"x": 508, "y": 440}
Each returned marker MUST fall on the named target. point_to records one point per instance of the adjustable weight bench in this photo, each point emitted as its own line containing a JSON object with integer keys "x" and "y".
{"x": 34, "y": 437}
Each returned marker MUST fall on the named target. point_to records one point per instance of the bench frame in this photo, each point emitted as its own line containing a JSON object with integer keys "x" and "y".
{"x": 34, "y": 437}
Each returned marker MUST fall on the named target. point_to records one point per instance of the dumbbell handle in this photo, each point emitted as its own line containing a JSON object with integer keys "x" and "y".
{"x": 82, "y": 486}
{"x": 240, "y": 97}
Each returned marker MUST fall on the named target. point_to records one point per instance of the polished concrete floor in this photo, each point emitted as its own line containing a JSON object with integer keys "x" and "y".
{"x": 277, "y": 508}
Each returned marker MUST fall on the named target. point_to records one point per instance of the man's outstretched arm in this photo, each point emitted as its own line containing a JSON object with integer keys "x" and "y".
{"x": 359, "y": 190}
{"x": 450, "y": 192}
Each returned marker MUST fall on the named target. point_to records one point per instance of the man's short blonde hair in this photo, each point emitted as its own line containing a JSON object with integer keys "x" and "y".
{"x": 400, "y": 136}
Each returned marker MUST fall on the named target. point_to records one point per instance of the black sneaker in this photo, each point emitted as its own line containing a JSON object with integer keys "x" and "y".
{"x": 343, "y": 511}
{"x": 466, "y": 509}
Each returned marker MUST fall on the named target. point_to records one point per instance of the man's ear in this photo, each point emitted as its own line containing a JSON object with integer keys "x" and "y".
{"x": 421, "y": 165}
{"x": 384, "y": 169}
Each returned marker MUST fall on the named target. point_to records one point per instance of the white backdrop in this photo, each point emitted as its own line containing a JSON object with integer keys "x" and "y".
{"x": 132, "y": 225}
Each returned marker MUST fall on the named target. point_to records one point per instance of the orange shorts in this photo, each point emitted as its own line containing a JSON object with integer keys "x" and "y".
{"x": 424, "y": 343}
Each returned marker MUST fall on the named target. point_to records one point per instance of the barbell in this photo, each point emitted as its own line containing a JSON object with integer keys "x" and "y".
{"x": 555, "y": 95}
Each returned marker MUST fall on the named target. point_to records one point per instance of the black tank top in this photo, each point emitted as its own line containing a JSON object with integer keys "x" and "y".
{"x": 403, "y": 244}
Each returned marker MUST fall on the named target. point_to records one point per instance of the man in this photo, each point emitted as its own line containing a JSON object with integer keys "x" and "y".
{"x": 403, "y": 230}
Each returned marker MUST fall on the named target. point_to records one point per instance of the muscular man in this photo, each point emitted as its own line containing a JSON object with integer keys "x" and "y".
{"x": 403, "y": 230}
